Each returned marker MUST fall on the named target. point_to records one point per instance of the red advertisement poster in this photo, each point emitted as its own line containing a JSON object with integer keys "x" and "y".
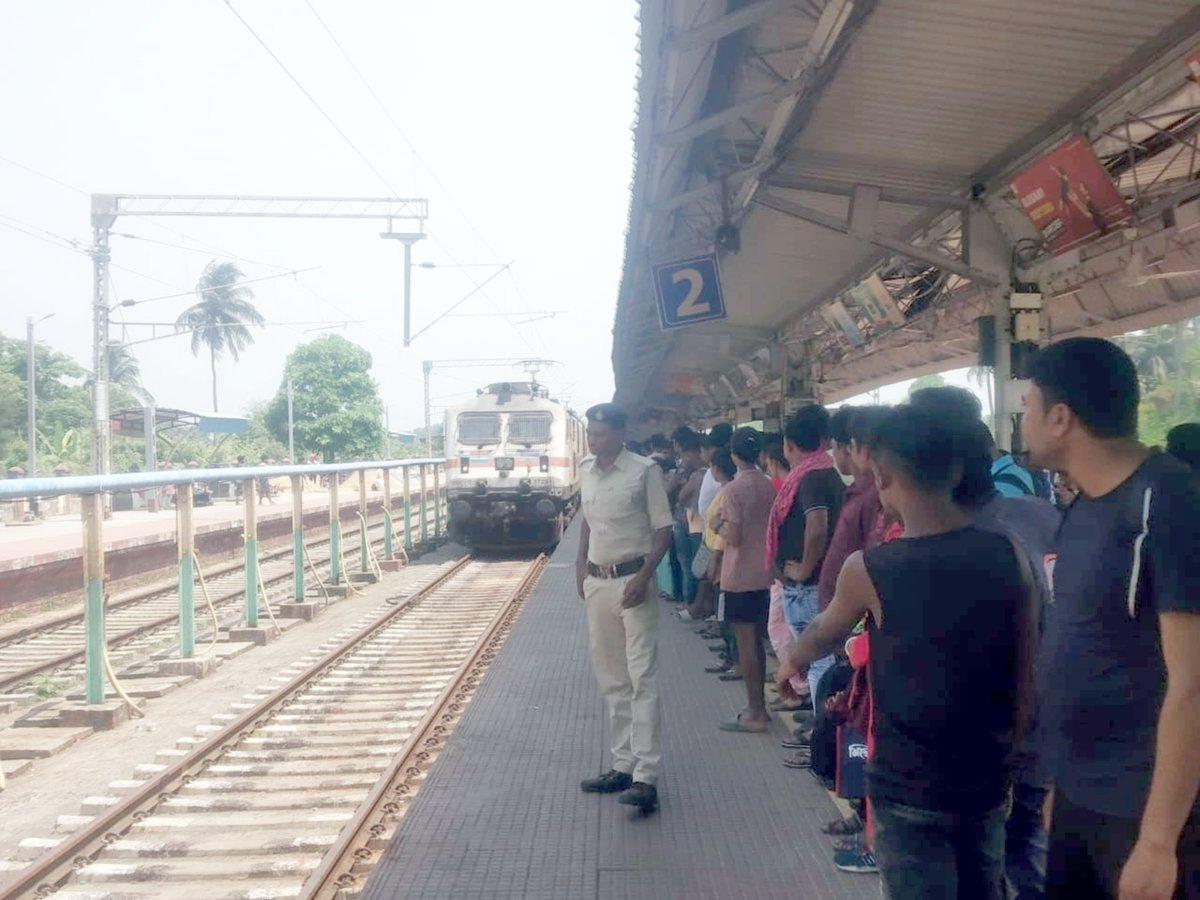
{"x": 1069, "y": 196}
{"x": 1193, "y": 65}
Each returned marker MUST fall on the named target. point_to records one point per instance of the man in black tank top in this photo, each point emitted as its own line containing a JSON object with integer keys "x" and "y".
{"x": 950, "y": 619}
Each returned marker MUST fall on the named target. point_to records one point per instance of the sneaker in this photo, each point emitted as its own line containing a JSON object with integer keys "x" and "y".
{"x": 860, "y": 861}
{"x": 686, "y": 616}
{"x": 611, "y": 782}
{"x": 853, "y": 844}
{"x": 643, "y": 796}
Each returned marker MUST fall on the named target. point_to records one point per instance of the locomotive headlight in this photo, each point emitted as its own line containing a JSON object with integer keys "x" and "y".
{"x": 464, "y": 465}
{"x": 544, "y": 463}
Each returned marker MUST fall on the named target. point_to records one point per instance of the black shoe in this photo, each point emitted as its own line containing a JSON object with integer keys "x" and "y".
{"x": 611, "y": 782}
{"x": 643, "y": 796}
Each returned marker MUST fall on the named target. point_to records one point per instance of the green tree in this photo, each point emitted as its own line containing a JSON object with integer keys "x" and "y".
{"x": 64, "y": 405}
{"x": 219, "y": 318}
{"x": 1168, "y": 364}
{"x": 925, "y": 381}
{"x": 337, "y": 410}
{"x": 124, "y": 372}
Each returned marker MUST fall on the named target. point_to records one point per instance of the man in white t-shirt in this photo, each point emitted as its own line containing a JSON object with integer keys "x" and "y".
{"x": 706, "y": 599}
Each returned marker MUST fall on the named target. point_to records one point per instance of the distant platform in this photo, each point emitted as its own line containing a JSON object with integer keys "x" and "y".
{"x": 501, "y": 813}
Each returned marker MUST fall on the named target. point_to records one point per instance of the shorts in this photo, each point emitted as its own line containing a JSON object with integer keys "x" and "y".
{"x": 747, "y": 606}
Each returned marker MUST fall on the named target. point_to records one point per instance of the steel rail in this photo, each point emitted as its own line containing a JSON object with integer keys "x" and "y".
{"x": 48, "y": 872}
{"x": 334, "y": 873}
{"x": 147, "y": 594}
{"x": 222, "y": 598}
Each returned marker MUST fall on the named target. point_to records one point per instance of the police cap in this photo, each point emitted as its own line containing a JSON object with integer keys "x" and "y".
{"x": 609, "y": 414}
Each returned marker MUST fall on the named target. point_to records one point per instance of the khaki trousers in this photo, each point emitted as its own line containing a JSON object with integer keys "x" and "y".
{"x": 624, "y": 645}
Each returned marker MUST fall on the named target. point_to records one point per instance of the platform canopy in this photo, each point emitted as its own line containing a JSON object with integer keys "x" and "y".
{"x": 851, "y": 166}
{"x": 132, "y": 422}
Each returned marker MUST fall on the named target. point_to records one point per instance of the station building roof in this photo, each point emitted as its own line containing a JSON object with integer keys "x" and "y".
{"x": 848, "y": 139}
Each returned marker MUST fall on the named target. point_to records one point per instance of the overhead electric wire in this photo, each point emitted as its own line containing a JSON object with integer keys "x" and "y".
{"x": 353, "y": 146}
{"x": 433, "y": 175}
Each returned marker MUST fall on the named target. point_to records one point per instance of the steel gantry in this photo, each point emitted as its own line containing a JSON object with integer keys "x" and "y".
{"x": 106, "y": 208}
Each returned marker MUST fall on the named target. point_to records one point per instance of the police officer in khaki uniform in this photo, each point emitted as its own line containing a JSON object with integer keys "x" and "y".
{"x": 625, "y": 532}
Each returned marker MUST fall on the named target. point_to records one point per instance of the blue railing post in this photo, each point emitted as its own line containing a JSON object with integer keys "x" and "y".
{"x": 387, "y": 514}
{"x": 185, "y": 540}
{"x": 297, "y": 537}
{"x": 250, "y": 545}
{"x": 335, "y": 532}
{"x": 424, "y": 508}
{"x": 408, "y": 538}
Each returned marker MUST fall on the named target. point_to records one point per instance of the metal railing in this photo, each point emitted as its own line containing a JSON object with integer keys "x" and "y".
{"x": 92, "y": 489}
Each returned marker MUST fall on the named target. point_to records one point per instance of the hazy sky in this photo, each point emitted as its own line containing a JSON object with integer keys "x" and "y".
{"x": 521, "y": 110}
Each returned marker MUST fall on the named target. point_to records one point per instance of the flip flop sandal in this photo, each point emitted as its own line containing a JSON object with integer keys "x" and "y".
{"x": 799, "y": 742}
{"x": 782, "y": 705}
{"x": 844, "y": 827}
{"x": 736, "y": 724}
{"x": 801, "y": 759}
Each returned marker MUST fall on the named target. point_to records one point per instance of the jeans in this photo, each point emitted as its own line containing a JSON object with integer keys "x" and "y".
{"x": 684, "y": 551}
{"x": 1088, "y": 850}
{"x": 800, "y": 608}
{"x": 1025, "y": 844}
{"x": 927, "y": 854}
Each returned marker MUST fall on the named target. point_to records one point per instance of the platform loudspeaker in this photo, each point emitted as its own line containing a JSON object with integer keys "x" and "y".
{"x": 986, "y": 331}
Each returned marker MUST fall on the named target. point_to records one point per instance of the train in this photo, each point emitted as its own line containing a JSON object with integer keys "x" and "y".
{"x": 512, "y": 467}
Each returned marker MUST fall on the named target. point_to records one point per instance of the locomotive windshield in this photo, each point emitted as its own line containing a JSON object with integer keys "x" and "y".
{"x": 478, "y": 428}
{"x": 529, "y": 428}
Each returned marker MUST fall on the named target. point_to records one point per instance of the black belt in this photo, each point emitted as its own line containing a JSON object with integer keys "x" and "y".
{"x": 620, "y": 570}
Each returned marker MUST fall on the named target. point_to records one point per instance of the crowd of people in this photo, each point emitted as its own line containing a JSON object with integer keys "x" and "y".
{"x": 993, "y": 660}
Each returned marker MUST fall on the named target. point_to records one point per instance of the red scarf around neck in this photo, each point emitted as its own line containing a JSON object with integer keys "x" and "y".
{"x": 810, "y": 461}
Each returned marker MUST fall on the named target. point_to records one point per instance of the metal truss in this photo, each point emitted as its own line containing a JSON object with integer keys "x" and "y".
{"x": 245, "y": 206}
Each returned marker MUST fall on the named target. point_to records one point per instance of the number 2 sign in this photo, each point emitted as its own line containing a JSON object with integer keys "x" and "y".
{"x": 689, "y": 291}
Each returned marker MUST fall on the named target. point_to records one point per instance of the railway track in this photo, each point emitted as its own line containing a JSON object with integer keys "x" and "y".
{"x": 141, "y": 625}
{"x": 295, "y": 795}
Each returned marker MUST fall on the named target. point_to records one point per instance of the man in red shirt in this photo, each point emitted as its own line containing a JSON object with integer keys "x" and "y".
{"x": 857, "y": 523}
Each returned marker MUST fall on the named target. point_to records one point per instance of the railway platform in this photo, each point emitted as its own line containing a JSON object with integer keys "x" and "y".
{"x": 501, "y": 813}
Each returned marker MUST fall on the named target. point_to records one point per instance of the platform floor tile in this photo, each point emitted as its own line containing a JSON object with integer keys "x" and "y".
{"x": 501, "y": 814}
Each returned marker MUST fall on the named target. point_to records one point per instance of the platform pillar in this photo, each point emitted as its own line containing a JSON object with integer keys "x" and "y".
{"x": 335, "y": 532}
{"x": 387, "y": 513}
{"x": 297, "y": 538}
{"x": 424, "y": 506}
{"x": 408, "y": 540}
{"x": 250, "y": 544}
{"x": 185, "y": 539}
{"x": 93, "y": 609}
{"x": 363, "y": 561}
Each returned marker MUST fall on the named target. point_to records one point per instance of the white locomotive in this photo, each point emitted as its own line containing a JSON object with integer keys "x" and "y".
{"x": 512, "y": 466}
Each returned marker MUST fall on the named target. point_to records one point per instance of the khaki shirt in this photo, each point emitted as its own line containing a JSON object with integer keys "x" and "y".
{"x": 623, "y": 507}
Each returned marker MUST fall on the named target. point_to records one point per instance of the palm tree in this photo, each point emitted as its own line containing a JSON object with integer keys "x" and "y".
{"x": 219, "y": 319}
{"x": 123, "y": 370}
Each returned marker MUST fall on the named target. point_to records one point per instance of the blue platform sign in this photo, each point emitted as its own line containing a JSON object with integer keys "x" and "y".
{"x": 689, "y": 291}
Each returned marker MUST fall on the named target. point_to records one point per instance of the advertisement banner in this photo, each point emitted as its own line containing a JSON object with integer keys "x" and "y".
{"x": 1069, "y": 196}
{"x": 686, "y": 383}
{"x": 1193, "y": 64}
{"x": 875, "y": 304}
{"x": 837, "y": 316}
